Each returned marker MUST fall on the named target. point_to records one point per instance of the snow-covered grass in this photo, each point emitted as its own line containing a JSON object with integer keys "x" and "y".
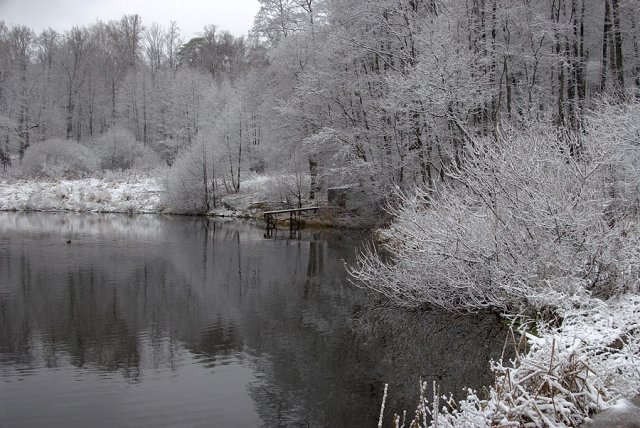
{"x": 129, "y": 193}
{"x": 113, "y": 193}
{"x": 559, "y": 377}
{"x": 253, "y": 189}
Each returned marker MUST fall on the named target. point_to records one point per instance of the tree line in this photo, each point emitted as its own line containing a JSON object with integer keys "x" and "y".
{"x": 78, "y": 84}
{"x": 380, "y": 93}
{"x": 399, "y": 89}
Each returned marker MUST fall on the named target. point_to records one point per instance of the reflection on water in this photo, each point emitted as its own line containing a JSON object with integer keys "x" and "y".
{"x": 154, "y": 321}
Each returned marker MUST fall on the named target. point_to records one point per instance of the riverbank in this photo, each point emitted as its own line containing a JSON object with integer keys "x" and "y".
{"x": 113, "y": 194}
{"x": 583, "y": 370}
{"x": 116, "y": 193}
{"x": 138, "y": 194}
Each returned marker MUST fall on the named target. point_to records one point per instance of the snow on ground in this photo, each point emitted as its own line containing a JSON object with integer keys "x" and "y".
{"x": 129, "y": 194}
{"x": 624, "y": 414}
{"x": 257, "y": 188}
{"x": 590, "y": 363}
{"x": 118, "y": 194}
{"x": 252, "y": 191}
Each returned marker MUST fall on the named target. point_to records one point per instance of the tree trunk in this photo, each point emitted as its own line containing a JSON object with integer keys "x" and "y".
{"x": 581, "y": 77}
{"x": 205, "y": 184}
{"x": 70, "y": 109}
{"x": 313, "y": 174}
{"x": 237, "y": 185}
{"x": 605, "y": 46}
{"x": 145, "y": 138}
{"x": 560, "y": 119}
{"x": 617, "y": 37}
{"x": 113, "y": 102}
{"x": 636, "y": 51}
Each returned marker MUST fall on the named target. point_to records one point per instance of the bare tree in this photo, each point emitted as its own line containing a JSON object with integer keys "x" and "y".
{"x": 20, "y": 43}
{"x": 74, "y": 62}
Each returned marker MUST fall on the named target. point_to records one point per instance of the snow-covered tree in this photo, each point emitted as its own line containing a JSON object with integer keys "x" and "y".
{"x": 531, "y": 223}
{"x": 191, "y": 181}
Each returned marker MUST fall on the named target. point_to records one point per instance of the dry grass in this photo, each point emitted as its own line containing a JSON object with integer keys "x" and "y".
{"x": 559, "y": 377}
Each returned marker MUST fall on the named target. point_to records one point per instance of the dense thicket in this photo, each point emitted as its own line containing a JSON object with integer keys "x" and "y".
{"x": 526, "y": 227}
{"x": 515, "y": 121}
{"x": 397, "y": 90}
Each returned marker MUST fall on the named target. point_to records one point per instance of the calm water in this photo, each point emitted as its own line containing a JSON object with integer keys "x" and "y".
{"x": 150, "y": 321}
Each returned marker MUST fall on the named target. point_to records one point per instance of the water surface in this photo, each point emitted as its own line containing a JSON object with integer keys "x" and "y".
{"x": 151, "y": 321}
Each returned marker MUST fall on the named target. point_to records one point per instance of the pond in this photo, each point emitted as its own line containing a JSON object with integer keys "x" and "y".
{"x": 151, "y": 321}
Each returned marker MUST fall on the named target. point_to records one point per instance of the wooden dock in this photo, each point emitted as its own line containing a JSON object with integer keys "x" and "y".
{"x": 271, "y": 217}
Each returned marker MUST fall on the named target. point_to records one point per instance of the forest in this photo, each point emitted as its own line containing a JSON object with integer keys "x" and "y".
{"x": 497, "y": 141}
{"x": 380, "y": 94}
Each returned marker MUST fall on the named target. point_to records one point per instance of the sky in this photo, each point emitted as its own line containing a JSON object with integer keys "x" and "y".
{"x": 235, "y": 16}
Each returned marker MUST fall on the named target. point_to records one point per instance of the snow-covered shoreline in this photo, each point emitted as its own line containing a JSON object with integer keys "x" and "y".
{"x": 560, "y": 375}
{"x": 121, "y": 194}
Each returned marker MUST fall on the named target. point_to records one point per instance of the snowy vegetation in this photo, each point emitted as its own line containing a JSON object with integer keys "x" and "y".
{"x": 558, "y": 378}
{"x": 57, "y": 158}
{"x": 545, "y": 228}
{"x": 562, "y": 374}
{"x": 115, "y": 193}
{"x": 381, "y": 94}
{"x": 529, "y": 224}
{"x": 502, "y": 136}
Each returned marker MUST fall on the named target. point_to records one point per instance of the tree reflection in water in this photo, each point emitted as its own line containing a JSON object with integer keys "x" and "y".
{"x": 148, "y": 299}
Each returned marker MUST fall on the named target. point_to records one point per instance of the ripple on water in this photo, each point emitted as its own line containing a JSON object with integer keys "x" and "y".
{"x": 92, "y": 395}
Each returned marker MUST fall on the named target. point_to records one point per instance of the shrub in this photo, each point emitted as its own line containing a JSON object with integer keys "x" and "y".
{"x": 531, "y": 223}
{"x": 167, "y": 150}
{"x": 558, "y": 378}
{"x": 189, "y": 181}
{"x": 118, "y": 150}
{"x": 57, "y": 158}
{"x": 148, "y": 160}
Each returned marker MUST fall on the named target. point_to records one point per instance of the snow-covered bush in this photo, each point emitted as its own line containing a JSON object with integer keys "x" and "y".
{"x": 530, "y": 223}
{"x": 190, "y": 181}
{"x": 617, "y": 123}
{"x": 57, "y": 158}
{"x": 292, "y": 183}
{"x": 289, "y": 188}
{"x": 167, "y": 150}
{"x": 118, "y": 150}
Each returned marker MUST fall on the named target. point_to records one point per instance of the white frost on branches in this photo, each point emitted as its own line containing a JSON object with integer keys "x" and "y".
{"x": 527, "y": 224}
{"x": 542, "y": 226}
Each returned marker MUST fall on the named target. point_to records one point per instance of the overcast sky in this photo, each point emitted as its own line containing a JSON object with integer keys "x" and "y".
{"x": 236, "y": 16}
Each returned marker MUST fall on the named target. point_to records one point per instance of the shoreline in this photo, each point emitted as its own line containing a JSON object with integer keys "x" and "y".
{"x": 135, "y": 194}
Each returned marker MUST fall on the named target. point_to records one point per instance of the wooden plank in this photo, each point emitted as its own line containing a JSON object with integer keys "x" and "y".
{"x": 294, "y": 214}
{"x": 292, "y": 210}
